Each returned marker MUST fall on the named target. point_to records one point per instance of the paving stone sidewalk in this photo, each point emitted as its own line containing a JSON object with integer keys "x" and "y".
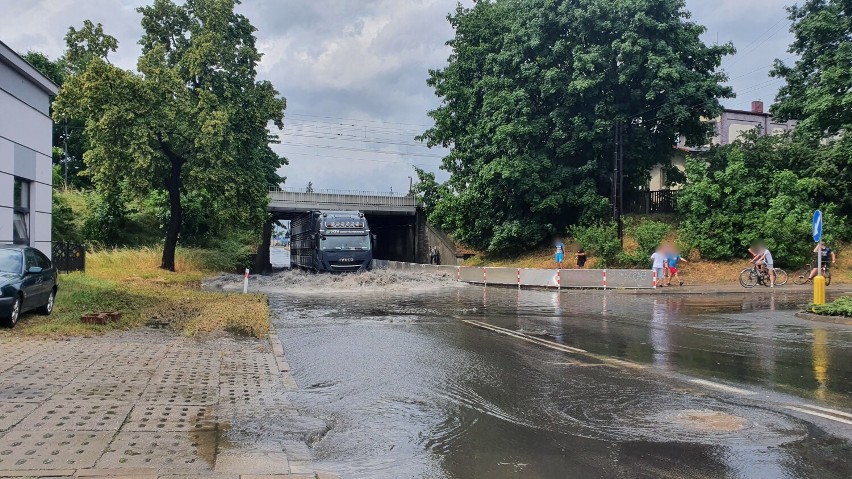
{"x": 149, "y": 404}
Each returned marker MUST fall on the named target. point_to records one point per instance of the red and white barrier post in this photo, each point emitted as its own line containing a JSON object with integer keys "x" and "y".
{"x": 604, "y": 278}
{"x": 655, "y": 278}
{"x": 458, "y": 273}
{"x": 519, "y": 278}
{"x": 484, "y": 277}
{"x": 245, "y": 282}
{"x": 559, "y": 279}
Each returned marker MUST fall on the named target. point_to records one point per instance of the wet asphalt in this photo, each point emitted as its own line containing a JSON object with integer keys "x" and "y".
{"x": 450, "y": 380}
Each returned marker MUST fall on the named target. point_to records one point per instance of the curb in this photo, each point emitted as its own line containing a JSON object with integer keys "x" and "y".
{"x": 823, "y": 318}
{"x": 278, "y": 352}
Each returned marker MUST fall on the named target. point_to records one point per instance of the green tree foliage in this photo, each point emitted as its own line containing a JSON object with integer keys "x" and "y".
{"x": 194, "y": 117}
{"x": 64, "y": 130}
{"x": 428, "y": 191}
{"x": 818, "y": 91}
{"x": 757, "y": 189}
{"x": 531, "y": 95}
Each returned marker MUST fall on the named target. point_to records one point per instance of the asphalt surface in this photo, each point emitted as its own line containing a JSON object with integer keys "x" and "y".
{"x": 437, "y": 379}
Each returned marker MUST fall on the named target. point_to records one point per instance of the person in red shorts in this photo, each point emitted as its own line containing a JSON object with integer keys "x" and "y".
{"x": 672, "y": 260}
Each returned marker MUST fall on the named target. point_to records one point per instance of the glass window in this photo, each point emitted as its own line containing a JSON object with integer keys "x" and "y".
{"x": 30, "y": 259}
{"x": 334, "y": 242}
{"x": 20, "y": 229}
{"x": 42, "y": 260}
{"x": 10, "y": 261}
{"x": 21, "y": 218}
{"x": 22, "y": 194}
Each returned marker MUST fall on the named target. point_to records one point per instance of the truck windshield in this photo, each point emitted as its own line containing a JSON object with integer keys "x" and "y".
{"x": 10, "y": 261}
{"x": 332, "y": 243}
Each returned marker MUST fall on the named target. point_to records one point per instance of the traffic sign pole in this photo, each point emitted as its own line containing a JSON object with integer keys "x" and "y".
{"x": 819, "y": 280}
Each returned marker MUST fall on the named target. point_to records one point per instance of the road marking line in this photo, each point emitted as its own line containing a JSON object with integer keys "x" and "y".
{"x": 526, "y": 337}
{"x": 828, "y": 410}
{"x": 819, "y": 414}
{"x": 721, "y": 387}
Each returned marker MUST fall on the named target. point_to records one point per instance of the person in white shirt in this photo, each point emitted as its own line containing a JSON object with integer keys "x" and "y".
{"x": 762, "y": 257}
{"x": 659, "y": 265}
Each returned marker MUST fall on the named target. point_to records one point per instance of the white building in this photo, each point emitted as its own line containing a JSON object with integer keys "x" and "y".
{"x": 26, "y": 141}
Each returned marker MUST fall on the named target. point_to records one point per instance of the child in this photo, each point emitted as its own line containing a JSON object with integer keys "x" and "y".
{"x": 581, "y": 258}
{"x": 560, "y": 255}
{"x": 672, "y": 260}
{"x": 659, "y": 264}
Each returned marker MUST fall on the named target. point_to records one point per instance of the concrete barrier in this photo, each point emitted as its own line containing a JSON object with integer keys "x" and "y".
{"x": 532, "y": 277}
{"x": 581, "y": 278}
{"x": 541, "y": 278}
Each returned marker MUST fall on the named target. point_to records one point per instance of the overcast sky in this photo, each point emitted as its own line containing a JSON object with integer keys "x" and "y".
{"x": 354, "y": 71}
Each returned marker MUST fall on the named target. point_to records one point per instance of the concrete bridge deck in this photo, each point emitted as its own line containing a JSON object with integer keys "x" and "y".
{"x": 287, "y": 201}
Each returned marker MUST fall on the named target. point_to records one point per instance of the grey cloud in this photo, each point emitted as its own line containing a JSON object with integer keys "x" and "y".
{"x": 369, "y": 60}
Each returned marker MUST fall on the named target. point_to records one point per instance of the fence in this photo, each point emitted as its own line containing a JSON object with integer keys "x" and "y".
{"x": 651, "y": 202}
{"x": 532, "y": 277}
{"x": 68, "y": 257}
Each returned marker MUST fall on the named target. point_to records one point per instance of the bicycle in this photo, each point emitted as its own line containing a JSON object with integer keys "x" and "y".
{"x": 752, "y": 276}
{"x": 805, "y": 275}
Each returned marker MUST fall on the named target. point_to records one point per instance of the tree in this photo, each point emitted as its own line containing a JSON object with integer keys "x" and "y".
{"x": 66, "y": 132}
{"x": 194, "y": 117}
{"x": 530, "y": 98}
{"x": 819, "y": 85}
{"x": 818, "y": 91}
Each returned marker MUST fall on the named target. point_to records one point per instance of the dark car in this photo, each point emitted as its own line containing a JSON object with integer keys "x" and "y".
{"x": 27, "y": 282}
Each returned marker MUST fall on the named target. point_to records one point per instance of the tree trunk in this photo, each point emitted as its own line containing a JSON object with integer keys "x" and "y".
{"x": 263, "y": 263}
{"x": 176, "y": 210}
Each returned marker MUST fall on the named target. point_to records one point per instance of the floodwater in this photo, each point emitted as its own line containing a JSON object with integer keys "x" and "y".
{"x": 408, "y": 388}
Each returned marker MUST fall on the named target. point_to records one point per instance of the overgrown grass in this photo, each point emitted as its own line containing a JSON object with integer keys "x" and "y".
{"x": 841, "y": 306}
{"x": 130, "y": 281}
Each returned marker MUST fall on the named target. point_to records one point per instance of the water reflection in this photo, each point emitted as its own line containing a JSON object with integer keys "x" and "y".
{"x": 410, "y": 391}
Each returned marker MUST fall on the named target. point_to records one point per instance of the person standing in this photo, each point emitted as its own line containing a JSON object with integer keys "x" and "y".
{"x": 581, "y": 258}
{"x": 658, "y": 264}
{"x": 560, "y": 254}
{"x": 671, "y": 262}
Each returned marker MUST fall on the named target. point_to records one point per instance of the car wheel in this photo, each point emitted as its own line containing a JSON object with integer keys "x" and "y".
{"x": 14, "y": 314}
{"x": 48, "y": 307}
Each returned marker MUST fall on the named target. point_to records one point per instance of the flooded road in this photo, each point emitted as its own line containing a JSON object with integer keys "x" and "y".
{"x": 411, "y": 384}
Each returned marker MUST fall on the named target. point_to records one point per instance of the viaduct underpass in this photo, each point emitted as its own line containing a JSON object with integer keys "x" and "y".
{"x": 398, "y": 225}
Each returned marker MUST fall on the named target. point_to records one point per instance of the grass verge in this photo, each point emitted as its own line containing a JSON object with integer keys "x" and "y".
{"x": 841, "y": 306}
{"x": 129, "y": 280}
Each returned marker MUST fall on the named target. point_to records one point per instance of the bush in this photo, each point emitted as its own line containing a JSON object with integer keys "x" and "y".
{"x": 600, "y": 240}
{"x": 648, "y": 235}
{"x": 751, "y": 191}
{"x": 841, "y": 306}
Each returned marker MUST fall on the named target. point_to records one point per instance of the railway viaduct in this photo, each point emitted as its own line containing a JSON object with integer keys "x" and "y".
{"x": 397, "y": 223}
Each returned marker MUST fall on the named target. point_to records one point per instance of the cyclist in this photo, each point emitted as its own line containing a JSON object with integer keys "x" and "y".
{"x": 762, "y": 258}
{"x": 827, "y": 256}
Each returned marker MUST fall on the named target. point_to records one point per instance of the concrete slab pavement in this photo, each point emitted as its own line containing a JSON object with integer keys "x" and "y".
{"x": 148, "y": 404}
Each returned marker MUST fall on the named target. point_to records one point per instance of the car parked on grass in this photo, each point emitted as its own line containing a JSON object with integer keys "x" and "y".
{"x": 27, "y": 282}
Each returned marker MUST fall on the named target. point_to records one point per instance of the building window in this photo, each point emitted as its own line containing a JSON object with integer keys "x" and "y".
{"x": 21, "y": 218}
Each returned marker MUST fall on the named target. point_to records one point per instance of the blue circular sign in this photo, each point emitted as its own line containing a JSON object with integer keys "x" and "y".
{"x": 817, "y": 226}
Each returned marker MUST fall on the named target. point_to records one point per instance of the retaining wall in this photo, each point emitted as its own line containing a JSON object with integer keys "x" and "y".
{"x": 532, "y": 277}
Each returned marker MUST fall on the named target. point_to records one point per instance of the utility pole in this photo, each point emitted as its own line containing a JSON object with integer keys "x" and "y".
{"x": 65, "y": 154}
{"x": 618, "y": 179}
